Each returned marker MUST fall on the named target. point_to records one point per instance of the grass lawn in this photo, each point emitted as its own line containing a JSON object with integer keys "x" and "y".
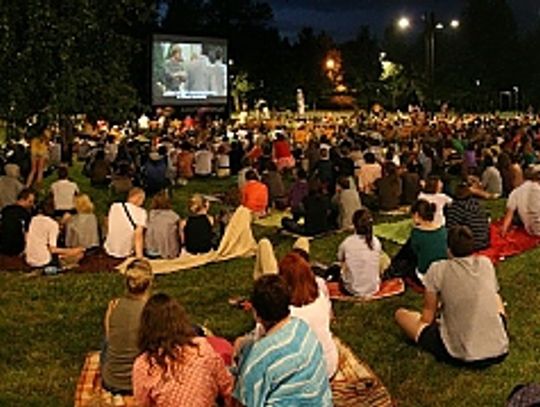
{"x": 47, "y": 324}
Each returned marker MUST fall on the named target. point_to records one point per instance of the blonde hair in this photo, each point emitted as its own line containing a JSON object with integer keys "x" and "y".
{"x": 139, "y": 276}
{"x": 135, "y": 191}
{"x": 197, "y": 203}
{"x": 83, "y": 204}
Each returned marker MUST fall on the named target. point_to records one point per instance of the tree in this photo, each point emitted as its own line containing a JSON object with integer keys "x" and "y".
{"x": 70, "y": 57}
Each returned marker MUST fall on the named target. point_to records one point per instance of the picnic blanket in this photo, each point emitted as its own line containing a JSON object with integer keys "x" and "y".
{"x": 388, "y": 288}
{"x": 237, "y": 241}
{"x": 401, "y": 211}
{"x": 89, "y": 392}
{"x": 355, "y": 384}
{"x": 397, "y": 232}
{"x": 516, "y": 241}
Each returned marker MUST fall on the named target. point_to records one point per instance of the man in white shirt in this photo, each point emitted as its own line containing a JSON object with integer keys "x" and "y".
{"x": 126, "y": 222}
{"x": 525, "y": 201}
{"x": 41, "y": 240}
{"x": 63, "y": 192}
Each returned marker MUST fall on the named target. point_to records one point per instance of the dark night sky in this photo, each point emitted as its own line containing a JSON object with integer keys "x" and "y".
{"x": 342, "y": 18}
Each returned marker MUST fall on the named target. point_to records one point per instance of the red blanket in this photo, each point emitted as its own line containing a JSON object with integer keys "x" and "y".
{"x": 388, "y": 288}
{"x": 516, "y": 241}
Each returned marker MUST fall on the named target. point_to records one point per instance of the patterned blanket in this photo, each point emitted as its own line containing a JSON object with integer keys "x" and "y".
{"x": 389, "y": 288}
{"x": 355, "y": 384}
{"x": 89, "y": 392}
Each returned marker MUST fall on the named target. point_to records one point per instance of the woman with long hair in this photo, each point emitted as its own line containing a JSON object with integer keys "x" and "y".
{"x": 176, "y": 368}
{"x": 311, "y": 303}
{"x": 39, "y": 152}
{"x": 360, "y": 255}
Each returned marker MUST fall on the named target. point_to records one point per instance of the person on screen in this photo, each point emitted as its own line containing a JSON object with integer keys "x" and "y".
{"x": 198, "y": 79}
{"x": 175, "y": 70}
{"x": 218, "y": 74}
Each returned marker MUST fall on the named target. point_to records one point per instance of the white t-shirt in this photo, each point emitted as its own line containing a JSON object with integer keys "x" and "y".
{"x": 42, "y": 234}
{"x": 317, "y": 316}
{"x": 203, "y": 162}
{"x": 361, "y": 272}
{"x": 121, "y": 233}
{"x": 440, "y": 200}
{"x": 525, "y": 199}
{"x": 63, "y": 193}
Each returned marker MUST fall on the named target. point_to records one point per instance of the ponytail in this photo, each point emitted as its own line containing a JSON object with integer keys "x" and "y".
{"x": 363, "y": 225}
{"x": 424, "y": 209}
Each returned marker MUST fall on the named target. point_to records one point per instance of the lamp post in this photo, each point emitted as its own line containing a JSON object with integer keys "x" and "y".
{"x": 431, "y": 26}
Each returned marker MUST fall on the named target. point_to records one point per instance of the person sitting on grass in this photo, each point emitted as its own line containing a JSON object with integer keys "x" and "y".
{"x": 197, "y": 230}
{"x": 14, "y": 223}
{"x": 523, "y": 205}
{"x": 64, "y": 192}
{"x": 42, "y": 240}
{"x": 122, "y": 321}
{"x": 298, "y": 191}
{"x": 317, "y": 213}
{"x": 471, "y": 327}
{"x": 82, "y": 229}
{"x": 311, "y": 303}
{"x": 276, "y": 188}
{"x": 175, "y": 367}
{"x": 347, "y": 201}
{"x": 466, "y": 210}
{"x": 162, "y": 237}
{"x": 433, "y": 194}
{"x": 254, "y": 194}
{"x": 268, "y": 366}
{"x": 359, "y": 255}
{"x": 126, "y": 223}
{"x": 426, "y": 245}
{"x": 10, "y": 186}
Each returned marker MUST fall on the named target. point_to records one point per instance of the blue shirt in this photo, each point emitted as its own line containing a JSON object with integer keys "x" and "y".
{"x": 285, "y": 368}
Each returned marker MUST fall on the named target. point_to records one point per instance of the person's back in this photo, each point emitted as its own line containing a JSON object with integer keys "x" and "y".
{"x": 198, "y": 234}
{"x": 467, "y": 211}
{"x": 471, "y": 326}
{"x": 100, "y": 171}
{"x": 155, "y": 174}
{"x": 42, "y": 234}
{"x": 274, "y": 362}
{"x": 122, "y": 346}
{"x": 255, "y": 195}
{"x": 274, "y": 182}
{"x": 361, "y": 272}
{"x": 203, "y": 162}
{"x": 317, "y": 209}
{"x": 126, "y": 221}
{"x": 14, "y": 224}
{"x": 389, "y": 192}
{"x": 64, "y": 191}
{"x": 525, "y": 199}
{"x": 348, "y": 201}
{"x": 492, "y": 181}
{"x": 411, "y": 187}
{"x": 162, "y": 235}
{"x": 82, "y": 230}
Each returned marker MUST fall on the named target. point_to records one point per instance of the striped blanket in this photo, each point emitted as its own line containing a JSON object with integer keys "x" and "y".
{"x": 355, "y": 384}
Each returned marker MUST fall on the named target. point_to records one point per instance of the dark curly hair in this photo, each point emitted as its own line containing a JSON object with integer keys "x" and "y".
{"x": 164, "y": 330}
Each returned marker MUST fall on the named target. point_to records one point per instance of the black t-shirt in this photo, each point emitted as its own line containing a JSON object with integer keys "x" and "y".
{"x": 13, "y": 226}
{"x": 317, "y": 209}
{"x": 198, "y": 234}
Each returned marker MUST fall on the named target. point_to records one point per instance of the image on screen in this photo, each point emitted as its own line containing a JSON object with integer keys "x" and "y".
{"x": 189, "y": 71}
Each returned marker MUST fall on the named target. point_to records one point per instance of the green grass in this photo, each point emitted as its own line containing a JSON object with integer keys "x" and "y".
{"x": 47, "y": 324}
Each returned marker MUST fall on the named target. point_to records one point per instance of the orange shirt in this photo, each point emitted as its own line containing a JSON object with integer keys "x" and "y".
{"x": 255, "y": 196}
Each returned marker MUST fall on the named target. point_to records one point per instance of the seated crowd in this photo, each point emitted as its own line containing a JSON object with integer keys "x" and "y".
{"x": 153, "y": 352}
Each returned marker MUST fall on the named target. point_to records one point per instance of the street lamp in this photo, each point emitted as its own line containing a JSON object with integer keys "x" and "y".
{"x": 404, "y": 23}
{"x": 330, "y": 64}
{"x": 431, "y": 26}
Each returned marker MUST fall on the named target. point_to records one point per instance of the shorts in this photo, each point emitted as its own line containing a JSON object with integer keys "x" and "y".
{"x": 430, "y": 340}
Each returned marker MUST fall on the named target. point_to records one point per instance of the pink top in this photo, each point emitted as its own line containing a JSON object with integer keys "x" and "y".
{"x": 199, "y": 377}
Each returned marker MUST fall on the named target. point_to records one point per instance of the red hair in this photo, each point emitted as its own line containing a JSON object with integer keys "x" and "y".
{"x": 296, "y": 272}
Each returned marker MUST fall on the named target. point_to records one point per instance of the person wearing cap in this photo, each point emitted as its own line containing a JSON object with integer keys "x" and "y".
{"x": 10, "y": 186}
{"x": 121, "y": 323}
{"x": 524, "y": 201}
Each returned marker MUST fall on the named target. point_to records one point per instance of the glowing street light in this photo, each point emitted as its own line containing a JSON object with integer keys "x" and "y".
{"x": 454, "y": 24}
{"x": 330, "y": 64}
{"x": 439, "y": 26}
{"x": 404, "y": 23}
